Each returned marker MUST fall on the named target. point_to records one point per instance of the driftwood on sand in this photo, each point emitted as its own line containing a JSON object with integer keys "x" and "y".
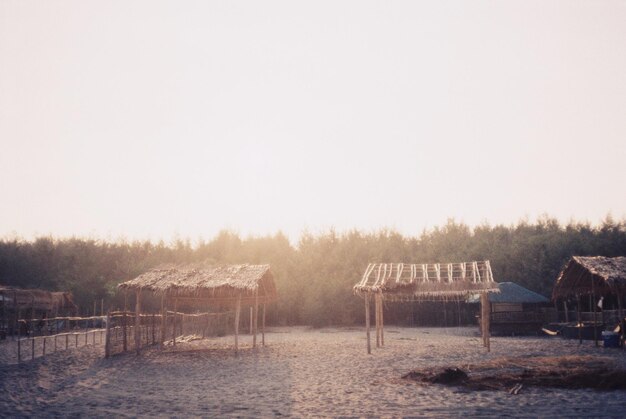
{"x": 514, "y": 374}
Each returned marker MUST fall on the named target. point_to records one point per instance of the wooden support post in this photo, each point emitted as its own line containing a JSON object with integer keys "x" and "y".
{"x": 163, "y": 321}
{"x": 32, "y": 346}
{"x": 377, "y": 320}
{"x": 263, "y": 327}
{"x": 44, "y": 346}
{"x": 580, "y": 324}
{"x": 76, "y": 339}
{"x": 67, "y": 341}
{"x": 153, "y": 327}
{"x": 55, "y": 343}
{"x": 367, "y": 322}
{"x": 485, "y": 319}
{"x": 566, "y": 311}
{"x": 125, "y": 323}
{"x": 174, "y": 320}
{"x": 107, "y": 338}
{"x": 382, "y": 323}
{"x": 19, "y": 344}
{"x": 256, "y": 316}
{"x": 251, "y": 319}
{"x": 595, "y": 312}
{"x": 620, "y": 312}
{"x": 237, "y": 313}
{"x": 138, "y": 322}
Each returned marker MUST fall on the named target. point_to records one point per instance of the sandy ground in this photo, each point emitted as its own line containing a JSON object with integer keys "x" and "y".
{"x": 300, "y": 372}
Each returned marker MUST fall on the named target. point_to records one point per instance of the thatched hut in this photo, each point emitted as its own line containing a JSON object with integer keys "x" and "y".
{"x": 423, "y": 282}
{"x": 592, "y": 277}
{"x": 204, "y": 285}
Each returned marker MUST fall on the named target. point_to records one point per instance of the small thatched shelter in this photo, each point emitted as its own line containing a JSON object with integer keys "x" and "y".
{"x": 422, "y": 282}
{"x": 592, "y": 276}
{"x": 204, "y": 285}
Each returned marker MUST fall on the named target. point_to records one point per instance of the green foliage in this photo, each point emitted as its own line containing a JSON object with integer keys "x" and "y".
{"x": 314, "y": 278}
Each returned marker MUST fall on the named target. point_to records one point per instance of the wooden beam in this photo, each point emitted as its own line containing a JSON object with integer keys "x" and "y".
{"x": 263, "y": 327}
{"x": 163, "y": 314}
{"x": 367, "y": 322}
{"x": 377, "y": 320}
{"x": 256, "y": 318}
{"x": 237, "y": 313}
{"x": 138, "y": 323}
{"x": 382, "y": 328}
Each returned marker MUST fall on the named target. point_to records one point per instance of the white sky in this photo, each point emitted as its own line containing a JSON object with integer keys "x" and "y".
{"x": 156, "y": 119}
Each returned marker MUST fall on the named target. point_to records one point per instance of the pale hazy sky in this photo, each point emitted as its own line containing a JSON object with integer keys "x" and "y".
{"x": 155, "y": 119}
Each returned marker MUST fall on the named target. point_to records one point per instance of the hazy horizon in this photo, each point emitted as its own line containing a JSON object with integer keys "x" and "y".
{"x": 152, "y": 120}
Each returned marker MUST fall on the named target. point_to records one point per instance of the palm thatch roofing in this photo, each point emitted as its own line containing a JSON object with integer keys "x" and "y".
{"x": 584, "y": 275}
{"x": 512, "y": 293}
{"x": 427, "y": 281}
{"x": 206, "y": 282}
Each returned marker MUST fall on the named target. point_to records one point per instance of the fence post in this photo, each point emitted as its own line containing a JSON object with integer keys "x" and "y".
{"x": 19, "y": 344}
{"x": 107, "y": 350}
{"x": 32, "y": 345}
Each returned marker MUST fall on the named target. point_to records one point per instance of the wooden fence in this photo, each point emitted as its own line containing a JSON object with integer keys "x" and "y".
{"x": 125, "y": 332}
{"x": 40, "y": 337}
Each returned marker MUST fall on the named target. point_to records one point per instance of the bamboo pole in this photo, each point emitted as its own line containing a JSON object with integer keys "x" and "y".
{"x": 367, "y": 322}
{"x": 138, "y": 322}
{"x": 107, "y": 339}
{"x": 263, "y": 327}
{"x": 174, "y": 320}
{"x": 377, "y": 320}
{"x": 595, "y": 312}
{"x": 237, "y": 313}
{"x": 124, "y": 324}
{"x": 382, "y": 323}
{"x": 162, "y": 334}
{"x": 488, "y": 322}
{"x": 251, "y": 319}
{"x": 580, "y": 325}
{"x": 19, "y": 344}
{"x": 256, "y": 316}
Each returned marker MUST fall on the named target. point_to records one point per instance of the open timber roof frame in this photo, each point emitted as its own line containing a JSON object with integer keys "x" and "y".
{"x": 205, "y": 284}
{"x": 423, "y": 282}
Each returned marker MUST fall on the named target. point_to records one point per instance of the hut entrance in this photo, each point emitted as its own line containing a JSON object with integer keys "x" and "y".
{"x": 393, "y": 282}
{"x": 196, "y": 301}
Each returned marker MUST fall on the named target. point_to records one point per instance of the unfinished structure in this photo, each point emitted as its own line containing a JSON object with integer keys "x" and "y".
{"x": 202, "y": 286}
{"x": 424, "y": 282}
{"x": 592, "y": 277}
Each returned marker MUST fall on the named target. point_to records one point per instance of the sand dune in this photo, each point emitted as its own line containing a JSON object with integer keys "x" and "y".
{"x": 301, "y": 372}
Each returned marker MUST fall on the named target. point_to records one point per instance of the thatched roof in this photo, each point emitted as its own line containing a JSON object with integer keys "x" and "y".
{"x": 512, "y": 293}
{"x": 594, "y": 274}
{"x": 403, "y": 281}
{"x": 204, "y": 281}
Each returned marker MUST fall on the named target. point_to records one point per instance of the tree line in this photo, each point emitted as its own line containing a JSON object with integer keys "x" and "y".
{"x": 314, "y": 277}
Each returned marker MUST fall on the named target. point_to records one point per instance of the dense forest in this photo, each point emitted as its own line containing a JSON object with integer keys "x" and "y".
{"x": 314, "y": 277}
